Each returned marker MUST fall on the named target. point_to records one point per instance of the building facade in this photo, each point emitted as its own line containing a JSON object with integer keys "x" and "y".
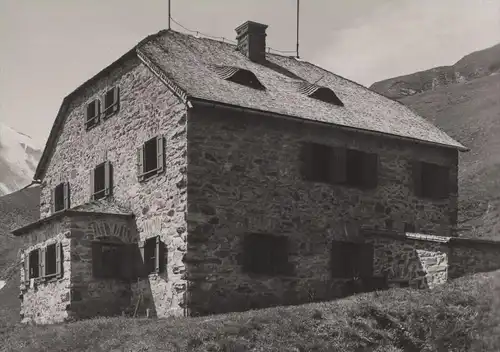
{"x": 193, "y": 177}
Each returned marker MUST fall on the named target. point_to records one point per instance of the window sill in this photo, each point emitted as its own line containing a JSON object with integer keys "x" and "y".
{"x": 91, "y": 125}
{"x": 110, "y": 111}
{"x": 149, "y": 175}
{"x": 345, "y": 185}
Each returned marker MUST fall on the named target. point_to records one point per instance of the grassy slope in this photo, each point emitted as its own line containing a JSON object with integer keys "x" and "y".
{"x": 463, "y": 315}
{"x": 16, "y": 209}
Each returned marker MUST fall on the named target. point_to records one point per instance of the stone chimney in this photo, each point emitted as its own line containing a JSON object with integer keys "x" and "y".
{"x": 251, "y": 37}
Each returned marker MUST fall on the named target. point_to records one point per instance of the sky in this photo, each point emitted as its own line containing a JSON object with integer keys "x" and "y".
{"x": 50, "y": 47}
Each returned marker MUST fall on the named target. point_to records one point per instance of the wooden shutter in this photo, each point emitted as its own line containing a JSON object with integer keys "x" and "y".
{"x": 27, "y": 269}
{"x": 306, "y": 158}
{"x": 336, "y": 260}
{"x": 160, "y": 154}
{"x": 157, "y": 255}
{"x": 97, "y": 110}
{"x": 66, "y": 195}
{"x": 365, "y": 260}
{"x": 127, "y": 267}
{"x": 370, "y": 170}
{"x": 59, "y": 260}
{"x": 417, "y": 178}
{"x": 280, "y": 254}
{"x": 116, "y": 99}
{"x": 92, "y": 185}
{"x": 444, "y": 182}
{"x": 141, "y": 260}
{"x": 41, "y": 259}
{"x": 338, "y": 171}
{"x": 96, "y": 259}
{"x": 53, "y": 200}
{"x": 108, "y": 181}
{"x": 140, "y": 162}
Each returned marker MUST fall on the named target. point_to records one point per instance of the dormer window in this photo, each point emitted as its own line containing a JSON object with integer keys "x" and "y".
{"x": 238, "y": 75}
{"x": 111, "y": 102}
{"x": 321, "y": 93}
{"x": 92, "y": 114}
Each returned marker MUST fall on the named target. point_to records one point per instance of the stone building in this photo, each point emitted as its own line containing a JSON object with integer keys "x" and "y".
{"x": 193, "y": 176}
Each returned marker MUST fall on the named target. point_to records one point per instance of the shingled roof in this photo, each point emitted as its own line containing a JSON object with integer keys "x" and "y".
{"x": 199, "y": 69}
{"x": 187, "y": 61}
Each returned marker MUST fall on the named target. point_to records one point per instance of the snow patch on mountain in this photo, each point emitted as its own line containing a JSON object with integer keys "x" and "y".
{"x": 19, "y": 155}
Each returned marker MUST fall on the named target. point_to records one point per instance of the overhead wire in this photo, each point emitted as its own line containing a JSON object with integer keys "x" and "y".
{"x": 224, "y": 39}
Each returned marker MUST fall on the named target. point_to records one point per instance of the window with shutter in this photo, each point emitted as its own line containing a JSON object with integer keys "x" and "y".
{"x": 349, "y": 260}
{"x": 34, "y": 264}
{"x": 341, "y": 166}
{"x": 101, "y": 181}
{"x": 66, "y": 195}
{"x": 111, "y": 102}
{"x": 266, "y": 254}
{"x": 92, "y": 114}
{"x": 58, "y": 199}
{"x": 150, "y": 158}
{"x": 153, "y": 255}
{"x": 431, "y": 180}
{"x": 50, "y": 261}
{"x": 107, "y": 259}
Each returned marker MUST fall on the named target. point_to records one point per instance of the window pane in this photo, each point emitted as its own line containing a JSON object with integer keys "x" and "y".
{"x": 50, "y": 260}
{"x": 59, "y": 197}
{"x": 99, "y": 182}
{"x": 150, "y": 157}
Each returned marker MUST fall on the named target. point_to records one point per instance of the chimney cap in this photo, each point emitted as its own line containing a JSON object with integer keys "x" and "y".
{"x": 251, "y": 26}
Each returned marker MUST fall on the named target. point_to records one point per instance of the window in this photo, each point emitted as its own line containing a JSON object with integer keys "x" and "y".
{"x": 150, "y": 158}
{"x": 153, "y": 254}
{"x": 92, "y": 114}
{"x": 431, "y": 180}
{"x": 349, "y": 260}
{"x": 60, "y": 197}
{"x": 111, "y": 102}
{"x": 238, "y": 75}
{"x": 101, "y": 181}
{"x": 353, "y": 168}
{"x": 321, "y": 93}
{"x": 34, "y": 264}
{"x": 107, "y": 259}
{"x": 409, "y": 227}
{"x": 52, "y": 261}
{"x": 266, "y": 254}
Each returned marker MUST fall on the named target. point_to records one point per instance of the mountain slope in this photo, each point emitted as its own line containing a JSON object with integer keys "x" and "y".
{"x": 478, "y": 64}
{"x": 469, "y": 111}
{"x": 16, "y": 209}
{"x": 19, "y": 156}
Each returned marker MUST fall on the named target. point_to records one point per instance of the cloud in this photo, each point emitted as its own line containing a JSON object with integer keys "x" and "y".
{"x": 406, "y": 36}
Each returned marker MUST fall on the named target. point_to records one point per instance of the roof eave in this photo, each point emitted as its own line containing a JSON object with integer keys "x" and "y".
{"x": 60, "y": 214}
{"x": 205, "y": 102}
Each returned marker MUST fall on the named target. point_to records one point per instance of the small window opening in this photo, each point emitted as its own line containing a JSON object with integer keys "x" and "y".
{"x": 266, "y": 254}
{"x": 50, "y": 260}
{"x": 34, "y": 264}
{"x": 59, "y": 197}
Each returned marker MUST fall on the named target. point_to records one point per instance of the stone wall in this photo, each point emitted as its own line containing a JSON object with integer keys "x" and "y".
{"x": 92, "y": 296}
{"x": 147, "y": 109}
{"x": 419, "y": 261}
{"x": 470, "y": 256}
{"x": 243, "y": 176}
{"x": 45, "y": 302}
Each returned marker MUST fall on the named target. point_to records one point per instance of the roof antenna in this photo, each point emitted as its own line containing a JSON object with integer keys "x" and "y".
{"x": 298, "y": 6}
{"x": 169, "y": 15}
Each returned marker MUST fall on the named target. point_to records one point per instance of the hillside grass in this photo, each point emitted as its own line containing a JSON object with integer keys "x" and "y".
{"x": 463, "y": 315}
